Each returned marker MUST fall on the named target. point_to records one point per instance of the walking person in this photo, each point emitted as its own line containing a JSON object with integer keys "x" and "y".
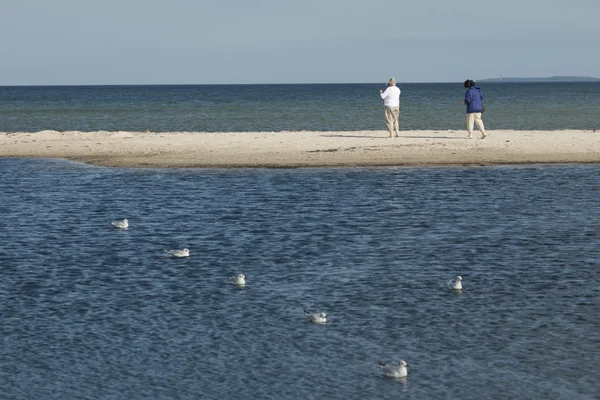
{"x": 474, "y": 102}
{"x": 391, "y": 103}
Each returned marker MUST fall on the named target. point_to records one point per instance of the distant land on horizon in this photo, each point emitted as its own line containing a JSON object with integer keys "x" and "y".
{"x": 547, "y": 79}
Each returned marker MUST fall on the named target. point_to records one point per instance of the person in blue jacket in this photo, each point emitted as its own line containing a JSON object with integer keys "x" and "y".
{"x": 474, "y": 102}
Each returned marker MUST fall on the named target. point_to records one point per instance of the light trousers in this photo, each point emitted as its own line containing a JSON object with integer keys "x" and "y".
{"x": 474, "y": 118}
{"x": 391, "y": 118}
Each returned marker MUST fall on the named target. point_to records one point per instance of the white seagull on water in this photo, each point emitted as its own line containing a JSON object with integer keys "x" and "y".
{"x": 317, "y": 318}
{"x": 121, "y": 224}
{"x": 239, "y": 280}
{"x": 179, "y": 253}
{"x": 456, "y": 285}
{"x": 394, "y": 371}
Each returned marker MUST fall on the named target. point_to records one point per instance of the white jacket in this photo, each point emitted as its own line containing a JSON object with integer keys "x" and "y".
{"x": 391, "y": 96}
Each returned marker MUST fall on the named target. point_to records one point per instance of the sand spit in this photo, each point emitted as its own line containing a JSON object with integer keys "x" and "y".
{"x": 304, "y": 149}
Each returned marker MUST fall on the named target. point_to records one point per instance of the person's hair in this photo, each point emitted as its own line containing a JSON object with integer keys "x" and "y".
{"x": 392, "y": 81}
{"x": 469, "y": 83}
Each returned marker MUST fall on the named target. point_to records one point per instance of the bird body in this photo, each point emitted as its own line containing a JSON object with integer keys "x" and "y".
{"x": 179, "y": 253}
{"x": 455, "y": 285}
{"x": 317, "y": 318}
{"x": 394, "y": 371}
{"x": 239, "y": 280}
{"x": 121, "y": 224}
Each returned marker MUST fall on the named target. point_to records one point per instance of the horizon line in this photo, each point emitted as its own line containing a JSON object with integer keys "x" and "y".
{"x": 496, "y": 80}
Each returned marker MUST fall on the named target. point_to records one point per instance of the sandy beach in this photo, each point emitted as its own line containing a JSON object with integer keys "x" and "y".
{"x": 304, "y": 149}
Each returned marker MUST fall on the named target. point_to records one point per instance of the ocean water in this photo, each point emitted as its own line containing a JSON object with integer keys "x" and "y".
{"x": 93, "y": 312}
{"x": 318, "y": 107}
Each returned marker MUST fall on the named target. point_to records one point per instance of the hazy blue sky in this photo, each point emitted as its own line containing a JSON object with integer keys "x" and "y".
{"x": 279, "y": 41}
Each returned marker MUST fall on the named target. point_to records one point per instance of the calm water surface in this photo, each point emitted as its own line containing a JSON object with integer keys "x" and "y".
{"x": 92, "y": 312}
{"x": 318, "y": 107}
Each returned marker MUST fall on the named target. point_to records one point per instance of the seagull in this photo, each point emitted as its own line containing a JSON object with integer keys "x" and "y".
{"x": 394, "y": 371}
{"x": 179, "y": 253}
{"x": 456, "y": 285}
{"x": 239, "y": 280}
{"x": 121, "y": 224}
{"x": 317, "y": 318}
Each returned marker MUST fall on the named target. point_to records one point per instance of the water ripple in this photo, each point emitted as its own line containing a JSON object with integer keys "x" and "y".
{"x": 89, "y": 311}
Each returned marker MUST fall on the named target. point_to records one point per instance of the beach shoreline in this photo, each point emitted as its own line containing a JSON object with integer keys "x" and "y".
{"x": 299, "y": 149}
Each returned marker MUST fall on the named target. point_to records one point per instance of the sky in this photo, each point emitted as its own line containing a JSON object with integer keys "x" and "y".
{"x": 83, "y": 42}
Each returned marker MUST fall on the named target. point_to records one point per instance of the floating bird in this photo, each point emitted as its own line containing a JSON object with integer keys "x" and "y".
{"x": 456, "y": 285}
{"x": 179, "y": 253}
{"x": 121, "y": 224}
{"x": 317, "y": 318}
{"x": 394, "y": 371}
{"x": 239, "y": 280}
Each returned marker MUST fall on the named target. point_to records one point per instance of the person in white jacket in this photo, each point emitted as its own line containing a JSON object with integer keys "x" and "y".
{"x": 391, "y": 103}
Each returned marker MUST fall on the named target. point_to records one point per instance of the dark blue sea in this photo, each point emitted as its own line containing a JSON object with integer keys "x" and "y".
{"x": 92, "y": 312}
{"x": 318, "y": 107}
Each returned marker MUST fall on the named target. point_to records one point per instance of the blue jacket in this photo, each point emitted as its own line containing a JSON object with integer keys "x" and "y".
{"x": 473, "y": 100}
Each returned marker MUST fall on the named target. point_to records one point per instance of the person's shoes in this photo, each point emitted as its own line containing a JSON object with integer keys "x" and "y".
{"x": 469, "y": 136}
{"x": 483, "y": 135}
